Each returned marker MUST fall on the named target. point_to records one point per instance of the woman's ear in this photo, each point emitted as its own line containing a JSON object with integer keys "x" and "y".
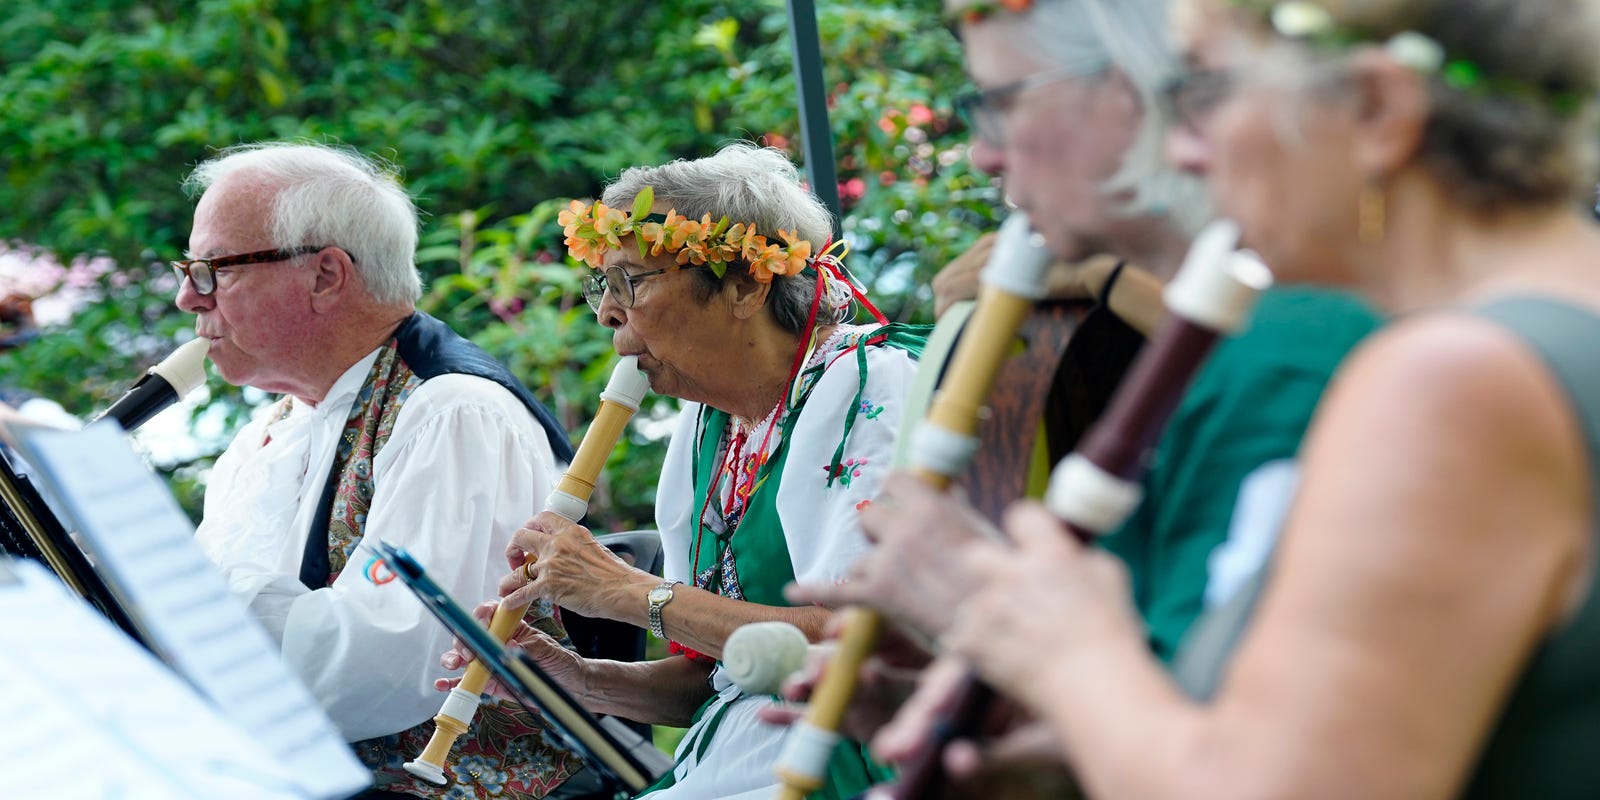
{"x": 746, "y": 295}
{"x": 1392, "y": 107}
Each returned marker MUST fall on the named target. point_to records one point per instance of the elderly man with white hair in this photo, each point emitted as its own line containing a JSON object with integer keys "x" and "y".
{"x": 300, "y": 271}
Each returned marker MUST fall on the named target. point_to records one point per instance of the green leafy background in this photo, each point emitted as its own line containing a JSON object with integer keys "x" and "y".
{"x": 497, "y": 112}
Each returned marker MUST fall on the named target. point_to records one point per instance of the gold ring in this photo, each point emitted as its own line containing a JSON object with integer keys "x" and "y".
{"x": 527, "y": 567}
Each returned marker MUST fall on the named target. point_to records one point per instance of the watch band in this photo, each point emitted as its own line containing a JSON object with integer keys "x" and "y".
{"x": 657, "y": 605}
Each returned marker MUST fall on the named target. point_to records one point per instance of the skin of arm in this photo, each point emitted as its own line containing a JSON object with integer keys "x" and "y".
{"x": 1441, "y": 531}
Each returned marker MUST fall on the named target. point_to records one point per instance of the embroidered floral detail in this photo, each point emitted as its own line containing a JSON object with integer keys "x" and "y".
{"x": 847, "y": 469}
{"x": 863, "y": 505}
{"x": 869, "y": 410}
{"x": 482, "y": 771}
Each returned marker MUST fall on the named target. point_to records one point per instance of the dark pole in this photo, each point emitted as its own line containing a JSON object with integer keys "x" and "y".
{"x": 815, "y": 135}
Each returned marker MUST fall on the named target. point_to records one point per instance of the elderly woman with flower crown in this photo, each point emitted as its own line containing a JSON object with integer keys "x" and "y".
{"x": 722, "y": 282}
{"x": 1428, "y": 624}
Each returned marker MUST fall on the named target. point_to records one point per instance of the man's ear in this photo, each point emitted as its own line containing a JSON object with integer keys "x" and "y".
{"x": 1392, "y": 110}
{"x": 745, "y": 294}
{"x": 335, "y": 275}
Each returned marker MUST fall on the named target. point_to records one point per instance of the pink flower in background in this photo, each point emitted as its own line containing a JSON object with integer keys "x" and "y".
{"x": 58, "y": 290}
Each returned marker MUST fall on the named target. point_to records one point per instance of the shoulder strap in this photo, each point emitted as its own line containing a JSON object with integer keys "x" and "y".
{"x": 1563, "y": 335}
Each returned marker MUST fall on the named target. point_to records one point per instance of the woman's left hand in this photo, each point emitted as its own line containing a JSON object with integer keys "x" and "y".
{"x": 1040, "y": 601}
{"x": 568, "y": 566}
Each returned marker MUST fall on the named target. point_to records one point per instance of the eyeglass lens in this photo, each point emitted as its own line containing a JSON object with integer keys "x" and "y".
{"x": 200, "y": 276}
{"x": 613, "y": 280}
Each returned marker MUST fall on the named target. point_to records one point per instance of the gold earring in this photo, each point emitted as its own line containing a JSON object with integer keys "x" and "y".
{"x": 1372, "y": 214}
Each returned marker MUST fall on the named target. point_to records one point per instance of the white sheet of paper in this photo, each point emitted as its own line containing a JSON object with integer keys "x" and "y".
{"x": 144, "y": 546}
{"x": 92, "y": 715}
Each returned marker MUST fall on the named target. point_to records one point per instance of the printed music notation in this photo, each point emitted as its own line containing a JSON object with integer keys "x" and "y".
{"x": 144, "y": 547}
{"x": 92, "y": 715}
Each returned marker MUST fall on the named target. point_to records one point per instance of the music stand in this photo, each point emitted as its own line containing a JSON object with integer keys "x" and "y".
{"x": 626, "y": 762}
{"x": 29, "y": 529}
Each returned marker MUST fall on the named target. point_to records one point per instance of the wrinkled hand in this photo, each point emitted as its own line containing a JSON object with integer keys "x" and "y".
{"x": 569, "y": 567}
{"x": 1040, "y": 600}
{"x": 563, "y": 666}
{"x": 1083, "y": 278}
{"x": 917, "y": 572}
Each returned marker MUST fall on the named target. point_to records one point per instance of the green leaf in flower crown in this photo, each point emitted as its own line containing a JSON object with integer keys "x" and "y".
{"x": 721, "y": 226}
{"x": 642, "y": 204}
{"x": 641, "y": 209}
{"x": 718, "y": 269}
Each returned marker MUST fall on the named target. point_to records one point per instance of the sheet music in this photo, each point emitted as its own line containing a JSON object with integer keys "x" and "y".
{"x": 89, "y": 714}
{"x": 144, "y": 546}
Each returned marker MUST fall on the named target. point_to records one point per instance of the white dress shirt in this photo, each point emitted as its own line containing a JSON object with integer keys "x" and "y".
{"x": 464, "y": 467}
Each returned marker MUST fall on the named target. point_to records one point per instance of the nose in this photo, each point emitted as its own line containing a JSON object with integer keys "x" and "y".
{"x": 1188, "y": 150}
{"x": 986, "y": 156}
{"x": 190, "y": 300}
{"x": 611, "y": 313}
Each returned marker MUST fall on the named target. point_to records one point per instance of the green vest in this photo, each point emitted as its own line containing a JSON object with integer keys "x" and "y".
{"x": 752, "y": 562}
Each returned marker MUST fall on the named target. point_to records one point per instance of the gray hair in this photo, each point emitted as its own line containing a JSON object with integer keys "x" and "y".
{"x": 1132, "y": 36}
{"x": 1510, "y": 141}
{"x": 331, "y": 196}
{"x": 746, "y": 183}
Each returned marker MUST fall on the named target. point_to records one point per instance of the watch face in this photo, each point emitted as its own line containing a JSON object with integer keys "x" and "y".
{"x": 659, "y": 595}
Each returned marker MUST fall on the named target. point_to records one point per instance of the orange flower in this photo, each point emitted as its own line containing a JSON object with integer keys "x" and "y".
{"x": 593, "y": 229}
{"x": 611, "y": 224}
{"x": 654, "y": 235}
{"x": 746, "y": 240}
{"x": 799, "y": 252}
{"x": 770, "y": 261}
{"x": 572, "y": 216}
{"x": 588, "y": 251}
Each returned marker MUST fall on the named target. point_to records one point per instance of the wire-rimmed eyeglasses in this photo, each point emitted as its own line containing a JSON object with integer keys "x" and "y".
{"x": 202, "y": 272}
{"x": 617, "y": 281}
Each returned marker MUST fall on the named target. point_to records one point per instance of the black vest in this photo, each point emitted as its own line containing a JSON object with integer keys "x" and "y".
{"x": 430, "y": 349}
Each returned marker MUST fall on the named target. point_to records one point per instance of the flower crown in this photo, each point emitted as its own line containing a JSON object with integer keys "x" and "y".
{"x": 1307, "y": 21}
{"x": 592, "y": 229}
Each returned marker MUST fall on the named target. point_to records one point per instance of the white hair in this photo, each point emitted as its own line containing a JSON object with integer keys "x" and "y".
{"x": 746, "y": 183}
{"x": 1131, "y": 35}
{"x": 332, "y": 196}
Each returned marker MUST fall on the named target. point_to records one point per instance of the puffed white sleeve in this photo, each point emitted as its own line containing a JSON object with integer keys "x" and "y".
{"x": 675, "y": 496}
{"x": 464, "y": 467}
{"x": 819, "y": 507}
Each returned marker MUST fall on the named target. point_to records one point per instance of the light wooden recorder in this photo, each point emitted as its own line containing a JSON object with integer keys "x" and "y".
{"x": 1012, "y": 281}
{"x": 1097, "y": 487}
{"x": 618, "y": 402}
